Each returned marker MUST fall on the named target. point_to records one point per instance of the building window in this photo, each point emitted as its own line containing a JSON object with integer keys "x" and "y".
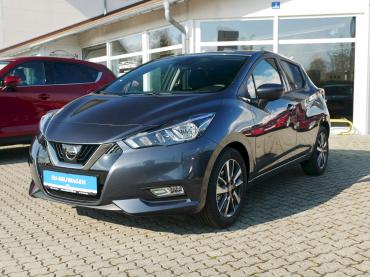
{"x": 236, "y": 35}
{"x": 326, "y": 48}
{"x": 128, "y": 44}
{"x": 127, "y": 54}
{"x": 315, "y": 28}
{"x": 124, "y": 65}
{"x": 97, "y": 53}
{"x": 236, "y": 30}
{"x": 162, "y": 54}
{"x": 331, "y": 67}
{"x": 164, "y": 42}
{"x": 164, "y": 37}
{"x": 236, "y": 48}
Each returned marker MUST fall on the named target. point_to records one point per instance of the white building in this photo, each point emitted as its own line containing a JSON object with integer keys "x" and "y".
{"x": 329, "y": 37}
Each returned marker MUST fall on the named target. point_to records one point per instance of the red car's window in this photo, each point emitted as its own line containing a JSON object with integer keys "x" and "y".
{"x": 30, "y": 73}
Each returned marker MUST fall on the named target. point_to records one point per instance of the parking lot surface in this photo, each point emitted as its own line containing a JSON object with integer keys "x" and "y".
{"x": 291, "y": 225}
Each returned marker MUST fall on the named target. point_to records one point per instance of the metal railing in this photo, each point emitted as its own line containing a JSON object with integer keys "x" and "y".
{"x": 345, "y": 122}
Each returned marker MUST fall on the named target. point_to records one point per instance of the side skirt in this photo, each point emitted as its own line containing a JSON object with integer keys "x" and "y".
{"x": 257, "y": 179}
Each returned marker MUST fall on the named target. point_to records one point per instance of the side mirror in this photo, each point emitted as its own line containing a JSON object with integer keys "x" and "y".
{"x": 11, "y": 81}
{"x": 270, "y": 91}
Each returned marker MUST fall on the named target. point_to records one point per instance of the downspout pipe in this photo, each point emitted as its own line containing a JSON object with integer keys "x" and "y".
{"x": 105, "y": 11}
{"x": 177, "y": 25}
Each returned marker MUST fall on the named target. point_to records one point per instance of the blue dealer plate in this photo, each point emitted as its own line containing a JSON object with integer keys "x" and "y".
{"x": 74, "y": 183}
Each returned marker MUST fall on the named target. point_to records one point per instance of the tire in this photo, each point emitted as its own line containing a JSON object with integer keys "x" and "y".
{"x": 316, "y": 165}
{"x": 225, "y": 195}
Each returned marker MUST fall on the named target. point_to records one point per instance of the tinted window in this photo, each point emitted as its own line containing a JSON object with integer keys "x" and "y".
{"x": 293, "y": 74}
{"x": 266, "y": 73}
{"x": 181, "y": 75}
{"x": 69, "y": 73}
{"x": 31, "y": 73}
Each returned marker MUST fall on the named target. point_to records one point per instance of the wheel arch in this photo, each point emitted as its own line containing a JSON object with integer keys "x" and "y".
{"x": 326, "y": 125}
{"x": 237, "y": 141}
{"x": 242, "y": 150}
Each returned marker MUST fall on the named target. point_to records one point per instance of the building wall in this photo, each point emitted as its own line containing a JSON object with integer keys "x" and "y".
{"x": 65, "y": 47}
{"x": 21, "y": 20}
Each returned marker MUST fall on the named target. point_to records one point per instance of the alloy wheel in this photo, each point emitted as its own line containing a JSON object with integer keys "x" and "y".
{"x": 228, "y": 191}
{"x": 322, "y": 149}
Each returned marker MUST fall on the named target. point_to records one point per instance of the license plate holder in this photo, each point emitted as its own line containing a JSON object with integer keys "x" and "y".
{"x": 68, "y": 182}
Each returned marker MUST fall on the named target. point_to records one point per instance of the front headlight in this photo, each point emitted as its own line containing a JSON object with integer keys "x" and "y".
{"x": 181, "y": 132}
{"x": 45, "y": 120}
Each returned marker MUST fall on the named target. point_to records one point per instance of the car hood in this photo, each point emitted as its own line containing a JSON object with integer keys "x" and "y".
{"x": 100, "y": 118}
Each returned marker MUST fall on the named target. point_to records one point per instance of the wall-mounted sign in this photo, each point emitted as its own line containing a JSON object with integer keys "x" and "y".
{"x": 275, "y": 5}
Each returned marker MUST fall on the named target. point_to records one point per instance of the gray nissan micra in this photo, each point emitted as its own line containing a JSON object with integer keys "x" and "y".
{"x": 184, "y": 134}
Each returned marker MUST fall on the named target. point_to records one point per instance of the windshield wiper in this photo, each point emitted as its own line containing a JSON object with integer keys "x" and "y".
{"x": 103, "y": 92}
{"x": 139, "y": 93}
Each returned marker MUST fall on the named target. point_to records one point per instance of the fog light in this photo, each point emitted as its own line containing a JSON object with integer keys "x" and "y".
{"x": 168, "y": 191}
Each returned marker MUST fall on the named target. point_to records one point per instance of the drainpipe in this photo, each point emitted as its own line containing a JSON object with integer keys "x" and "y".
{"x": 177, "y": 25}
{"x": 105, "y": 8}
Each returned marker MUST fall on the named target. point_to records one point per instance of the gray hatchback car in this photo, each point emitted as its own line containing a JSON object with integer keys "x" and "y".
{"x": 184, "y": 134}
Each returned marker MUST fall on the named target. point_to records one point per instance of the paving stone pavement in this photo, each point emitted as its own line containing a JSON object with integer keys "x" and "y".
{"x": 292, "y": 225}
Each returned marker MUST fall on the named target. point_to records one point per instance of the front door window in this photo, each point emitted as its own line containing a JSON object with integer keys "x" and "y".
{"x": 30, "y": 73}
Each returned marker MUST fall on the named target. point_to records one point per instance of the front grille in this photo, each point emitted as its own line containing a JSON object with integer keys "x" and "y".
{"x": 114, "y": 149}
{"x": 82, "y": 157}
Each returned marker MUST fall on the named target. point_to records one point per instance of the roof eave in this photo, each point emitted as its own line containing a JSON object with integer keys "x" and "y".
{"x": 120, "y": 14}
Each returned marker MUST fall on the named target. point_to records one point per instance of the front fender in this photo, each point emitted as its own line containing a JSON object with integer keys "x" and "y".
{"x": 235, "y": 138}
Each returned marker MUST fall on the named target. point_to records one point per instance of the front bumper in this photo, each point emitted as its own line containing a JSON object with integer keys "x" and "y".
{"x": 125, "y": 179}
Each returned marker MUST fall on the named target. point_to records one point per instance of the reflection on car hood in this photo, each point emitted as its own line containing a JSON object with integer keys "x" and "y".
{"x": 100, "y": 118}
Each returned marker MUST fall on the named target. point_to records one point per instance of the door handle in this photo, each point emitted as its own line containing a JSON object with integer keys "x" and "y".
{"x": 44, "y": 96}
{"x": 290, "y": 107}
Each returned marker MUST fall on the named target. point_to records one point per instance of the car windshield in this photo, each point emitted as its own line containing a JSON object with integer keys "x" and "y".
{"x": 184, "y": 74}
{"x": 3, "y": 64}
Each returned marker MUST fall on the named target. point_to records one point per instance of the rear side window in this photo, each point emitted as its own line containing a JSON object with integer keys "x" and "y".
{"x": 71, "y": 73}
{"x": 30, "y": 73}
{"x": 294, "y": 75}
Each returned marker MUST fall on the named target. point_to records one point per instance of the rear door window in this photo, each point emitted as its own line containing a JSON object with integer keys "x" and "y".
{"x": 30, "y": 73}
{"x": 293, "y": 74}
{"x": 71, "y": 73}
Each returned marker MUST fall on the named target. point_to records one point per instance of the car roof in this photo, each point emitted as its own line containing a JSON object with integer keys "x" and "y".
{"x": 45, "y": 58}
{"x": 227, "y": 53}
{"x": 255, "y": 54}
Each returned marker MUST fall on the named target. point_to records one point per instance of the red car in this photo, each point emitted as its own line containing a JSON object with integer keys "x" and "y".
{"x": 31, "y": 86}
